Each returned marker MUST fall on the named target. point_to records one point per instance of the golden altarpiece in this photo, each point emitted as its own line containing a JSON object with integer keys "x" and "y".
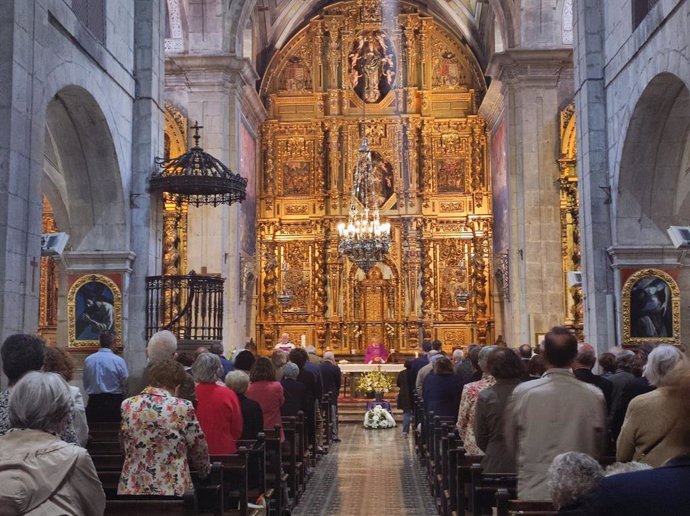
{"x": 398, "y": 76}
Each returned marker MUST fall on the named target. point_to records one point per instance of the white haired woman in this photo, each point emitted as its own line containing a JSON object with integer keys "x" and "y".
{"x": 40, "y": 473}
{"x": 218, "y": 407}
{"x": 252, "y": 415}
{"x": 652, "y": 430}
{"x": 570, "y": 476}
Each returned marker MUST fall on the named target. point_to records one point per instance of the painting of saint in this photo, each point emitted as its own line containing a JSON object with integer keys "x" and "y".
{"x": 650, "y": 308}
{"x": 296, "y": 178}
{"x": 450, "y": 175}
{"x": 371, "y": 66}
{"x": 94, "y": 310}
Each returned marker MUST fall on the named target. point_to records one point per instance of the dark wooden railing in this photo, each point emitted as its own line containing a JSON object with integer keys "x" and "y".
{"x": 190, "y": 306}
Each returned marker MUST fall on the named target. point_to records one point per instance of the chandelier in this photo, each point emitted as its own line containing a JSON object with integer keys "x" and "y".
{"x": 364, "y": 239}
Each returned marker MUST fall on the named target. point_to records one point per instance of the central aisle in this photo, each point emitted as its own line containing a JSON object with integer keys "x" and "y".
{"x": 371, "y": 472}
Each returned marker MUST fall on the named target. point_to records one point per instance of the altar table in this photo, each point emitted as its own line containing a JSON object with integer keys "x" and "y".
{"x": 351, "y": 369}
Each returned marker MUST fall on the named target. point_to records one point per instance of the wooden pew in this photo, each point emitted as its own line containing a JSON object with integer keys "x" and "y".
{"x": 506, "y": 507}
{"x": 449, "y": 495}
{"x": 152, "y": 505}
{"x": 234, "y": 481}
{"x": 292, "y": 465}
{"x": 463, "y": 480}
{"x": 484, "y": 487}
{"x": 275, "y": 478}
{"x": 325, "y": 407}
{"x": 256, "y": 450}
{"x": 104, "y": 447}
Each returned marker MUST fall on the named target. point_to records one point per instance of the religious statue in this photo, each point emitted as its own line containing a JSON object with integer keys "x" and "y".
{"x": 372, "y": 66}
{"x": 372, "y": 70}
{"x": 376, "y": 353}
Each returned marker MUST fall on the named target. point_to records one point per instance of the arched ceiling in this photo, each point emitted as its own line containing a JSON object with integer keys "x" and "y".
{"x": 277, "y": 20}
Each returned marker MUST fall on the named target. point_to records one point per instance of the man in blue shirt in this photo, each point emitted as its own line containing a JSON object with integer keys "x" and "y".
{"x": 105, "y": 381}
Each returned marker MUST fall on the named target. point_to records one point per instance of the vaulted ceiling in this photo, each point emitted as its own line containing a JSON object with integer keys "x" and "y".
{"x": 278, "y": 20}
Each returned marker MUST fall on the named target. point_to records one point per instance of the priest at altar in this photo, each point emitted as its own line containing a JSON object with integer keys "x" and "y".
{"x": 376, "y": 353}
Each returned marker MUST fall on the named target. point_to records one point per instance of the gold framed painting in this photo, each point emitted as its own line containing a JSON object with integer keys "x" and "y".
{"x": 650, "y": 308}
{"x": 94, "y": 305}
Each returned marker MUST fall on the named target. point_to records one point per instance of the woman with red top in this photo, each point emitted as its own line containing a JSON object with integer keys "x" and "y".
{"x": 267, "y": 392}
{"x": 218, "y": 407}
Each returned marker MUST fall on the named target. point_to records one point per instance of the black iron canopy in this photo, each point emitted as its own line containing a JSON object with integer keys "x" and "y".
{"x": 198, "y": 178}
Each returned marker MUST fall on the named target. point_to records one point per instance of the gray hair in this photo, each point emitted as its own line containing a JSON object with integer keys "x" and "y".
{"x": 162, "y": 346}
{"x": 206, "y": 367}
{"x": 625, "y": 467}
{"x": 237, "y": 380}
{"x": 328, "y": 355}
{"x": 571, "y": 475}
{"x": 661, "y": 361}
{"x": 291, "y": 371}
{"x": 484, "y": 357}
{"x": 311, "y": 350}
{"x": 458, "y": 355}
{"x": 40, "y": 401}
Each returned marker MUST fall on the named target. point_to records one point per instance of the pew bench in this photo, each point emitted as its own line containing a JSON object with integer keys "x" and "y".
{"x": 505, "y": 506}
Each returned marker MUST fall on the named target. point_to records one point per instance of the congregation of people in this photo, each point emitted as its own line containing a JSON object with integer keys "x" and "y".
{"x": 612, "y": 442}
{"x": 193, "y": 406}
{"x": 617, "y": 442}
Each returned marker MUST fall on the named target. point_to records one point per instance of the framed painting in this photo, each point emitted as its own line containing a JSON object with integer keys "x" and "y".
{"x": 94, "y": 305}
{"x": 651, "y": 308}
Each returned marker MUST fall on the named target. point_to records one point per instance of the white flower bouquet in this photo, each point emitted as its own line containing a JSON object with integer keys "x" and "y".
{"x": 378, "y": 417}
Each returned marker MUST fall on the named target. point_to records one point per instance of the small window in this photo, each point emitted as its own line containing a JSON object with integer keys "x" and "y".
{"x": 91, "y": 13}
{"x": 640, "y": 10}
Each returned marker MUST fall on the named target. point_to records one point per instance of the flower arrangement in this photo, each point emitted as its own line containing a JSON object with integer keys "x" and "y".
{"x": 377, "y": 418}
{"x": 375, "y": 381}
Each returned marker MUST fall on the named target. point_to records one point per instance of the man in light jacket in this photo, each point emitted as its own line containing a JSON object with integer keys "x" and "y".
{"x": 554, "y": 414}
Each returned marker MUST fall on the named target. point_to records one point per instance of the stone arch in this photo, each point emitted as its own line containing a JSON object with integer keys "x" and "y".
{"x": 236, "y": 18}
{"x": 652, "y": 192}
{"x": 84, "y": 184}
{"x": 503, "y": 11}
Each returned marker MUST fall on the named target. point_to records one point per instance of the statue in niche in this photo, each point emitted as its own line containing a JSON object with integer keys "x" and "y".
{"x": 383, "y": 180}
{"x": 371, "y": 70}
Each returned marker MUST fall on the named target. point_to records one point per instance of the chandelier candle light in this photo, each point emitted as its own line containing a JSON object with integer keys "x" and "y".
{"x": 365, "y": 240}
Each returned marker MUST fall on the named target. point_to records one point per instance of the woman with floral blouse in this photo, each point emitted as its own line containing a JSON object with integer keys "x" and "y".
{"x": 161, "y": 437}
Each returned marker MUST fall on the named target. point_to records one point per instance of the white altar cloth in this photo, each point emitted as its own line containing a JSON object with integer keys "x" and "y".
{"x": 365, "y": 368}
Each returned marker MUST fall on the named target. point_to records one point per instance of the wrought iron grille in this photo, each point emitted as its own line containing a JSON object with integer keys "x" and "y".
{"x": 190, "y": 306}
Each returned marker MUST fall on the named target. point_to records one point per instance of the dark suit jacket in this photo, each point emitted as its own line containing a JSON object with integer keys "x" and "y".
{"x": 295, "y": 397}
{"x": 309, "y": 381}
{"x": 417, "y": 364}
{"x": 252, "y": 417}
{"x": 488, "y": 427}
{"x": 586, "y": 375}
{"x": 662, "y": 491}
{"x": 442, "y": 394}
{"x": 331, "y": 378}
{"x": 632, "y": 390}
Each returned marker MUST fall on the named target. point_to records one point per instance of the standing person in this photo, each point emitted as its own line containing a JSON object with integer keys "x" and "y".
{"x": 40, "y": 473}
{"x": 162, "y": 440}
{"x": 418, "y": 363}
{"x": 163, "y": 346}
{"x": 554, "y": 414}
{"x": 404, "y": 400}
{"x": 458, "y": 357}
{"x": 57, "y": 360}
{"x": 466, "y": 369}
{"x": 284, "y": 344}
{"x": 504, "y": 365}
{"x": 442, "y": 389}
{"x": 331, "y": 378}
{"x": 252, "y": 415}
{"x": 468, "y": 402}
{"x": 218, "y": 409}
{"x": 582, "y": 369}
{"x": 267, "y": 392}
{"x": 279, "y": 359}
{"x": 299, "y": 357}
{"x": 217, "y": 349}
{"x": 425, "y": 371}
{"x": 105, "y": 380}
{"x": 22, "y": 353}
{"x": 294, "y": 391}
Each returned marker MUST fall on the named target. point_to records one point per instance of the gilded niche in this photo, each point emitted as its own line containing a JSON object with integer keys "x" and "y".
{"x": 420, "y": 88}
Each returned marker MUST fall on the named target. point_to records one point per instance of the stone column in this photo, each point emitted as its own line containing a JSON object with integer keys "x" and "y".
{"x": 595, "y": 192}
{"x": 147, "y": 144}
{"x": 530, "y": 81}
{"x": 21, "y": 164}
{"x": 218, "y": 91}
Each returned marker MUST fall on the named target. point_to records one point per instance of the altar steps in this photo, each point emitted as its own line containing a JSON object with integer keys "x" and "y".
{"x": 352, "y": 411}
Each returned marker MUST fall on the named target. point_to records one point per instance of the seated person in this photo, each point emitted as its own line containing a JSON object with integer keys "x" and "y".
{"x": 42, "y": 474}
{"x": 161, "y": 437}
{"x": 442, "y": 389}
{"x": 375, "y": 353}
